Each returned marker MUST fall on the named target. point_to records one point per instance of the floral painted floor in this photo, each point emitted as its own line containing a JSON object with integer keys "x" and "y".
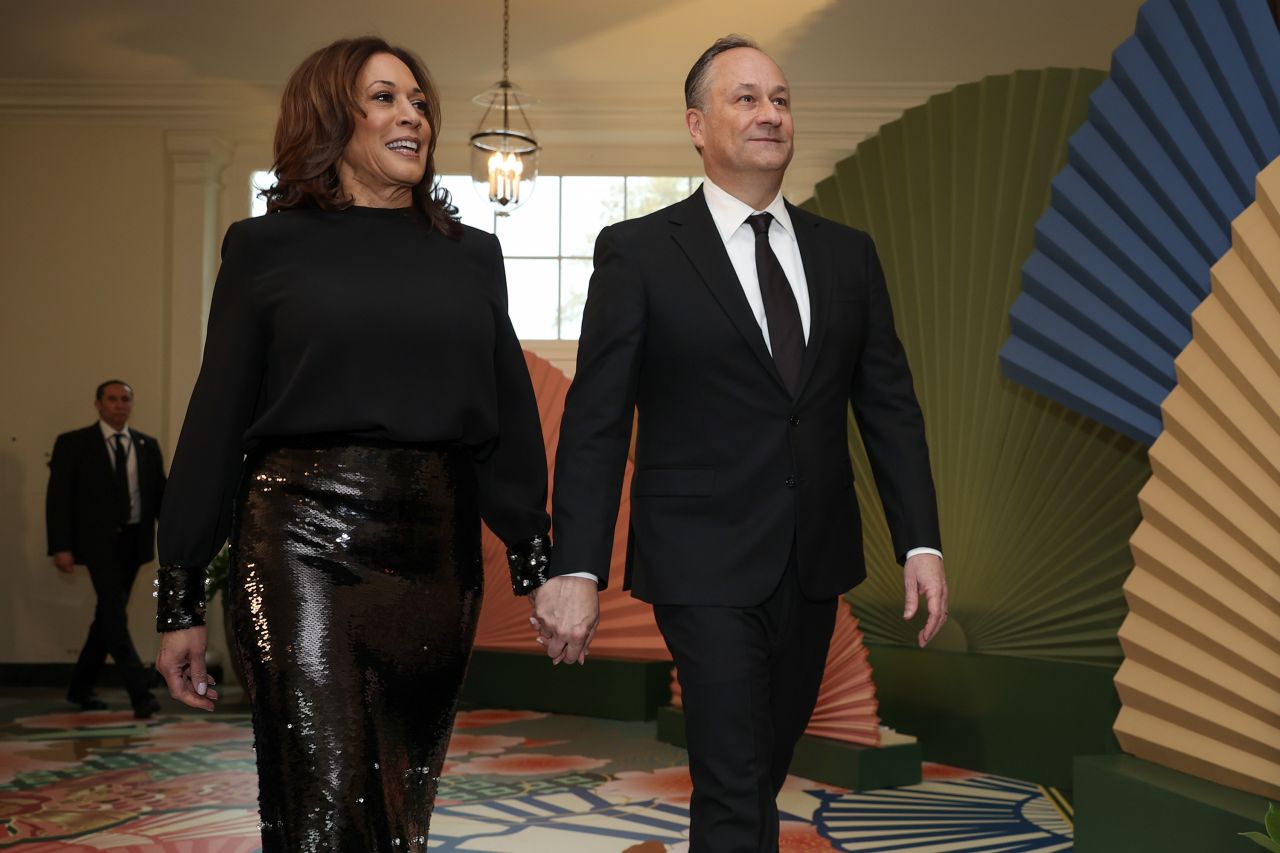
{"x": 515, "y": 781}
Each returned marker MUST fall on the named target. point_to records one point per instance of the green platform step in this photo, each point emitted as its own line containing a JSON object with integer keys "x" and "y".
{"x": 1126, "y": 805}
{"x": 612, "y": 688}
{"x": 995, "y": 713}
{"x": 833, "y": 762}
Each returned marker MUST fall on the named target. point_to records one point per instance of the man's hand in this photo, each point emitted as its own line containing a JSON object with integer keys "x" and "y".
{"x": 181, "y": 662}
{"x": 923, "y": 575}
{"x": 567, "y": 611}
{"x": 65, "y": 562}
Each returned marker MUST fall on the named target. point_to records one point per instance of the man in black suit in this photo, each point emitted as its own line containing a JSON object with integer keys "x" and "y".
{"x": 105, "y": 483}
{"x": 742, "y": 328}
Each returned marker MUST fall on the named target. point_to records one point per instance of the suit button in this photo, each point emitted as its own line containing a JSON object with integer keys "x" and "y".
{"x": 794, "y": 421}
{"x": 791, "y": 482}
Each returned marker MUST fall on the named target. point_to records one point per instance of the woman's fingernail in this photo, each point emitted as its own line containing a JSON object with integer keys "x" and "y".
{"x": 201, "y": 688}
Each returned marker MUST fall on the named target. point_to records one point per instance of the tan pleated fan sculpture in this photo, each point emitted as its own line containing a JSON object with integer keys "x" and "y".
{"x": 847, "y": 702}
{"x": 627, "y": 629}
{"x": 1200, "y": 684}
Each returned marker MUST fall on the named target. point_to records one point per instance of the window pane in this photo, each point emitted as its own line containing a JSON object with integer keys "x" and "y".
{"x": 589, "y": 205}
{"x": 474, "y": 210}
{"x": 532, "y": 297}
{"x": 575, "y": 275}
{"x": 645, "y": 195}
{"x": 534, "y": 229}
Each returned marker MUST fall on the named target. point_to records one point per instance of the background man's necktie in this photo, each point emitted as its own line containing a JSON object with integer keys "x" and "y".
{"x": 786, "y": 334}
{"x": 122, "y": 475}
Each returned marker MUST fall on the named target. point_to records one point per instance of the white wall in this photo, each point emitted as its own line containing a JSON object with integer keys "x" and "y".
{"x": 82, "y": 234}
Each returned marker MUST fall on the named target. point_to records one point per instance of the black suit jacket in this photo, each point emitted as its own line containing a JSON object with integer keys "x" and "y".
{"x": 731, "y": 470}
{"x": 82, "y": 510}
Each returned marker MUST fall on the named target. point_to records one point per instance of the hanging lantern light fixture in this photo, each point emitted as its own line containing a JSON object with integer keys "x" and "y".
{"x": 504, "y": 160}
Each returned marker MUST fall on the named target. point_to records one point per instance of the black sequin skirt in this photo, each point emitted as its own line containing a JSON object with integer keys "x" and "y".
{"x": 356, "y": 581}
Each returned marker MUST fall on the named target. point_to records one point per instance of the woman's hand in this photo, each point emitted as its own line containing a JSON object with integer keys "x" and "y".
{"x": 181, "y": 662}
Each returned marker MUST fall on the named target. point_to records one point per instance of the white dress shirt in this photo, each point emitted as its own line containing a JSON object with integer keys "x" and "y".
{"x": 730, "y": 217}
{"x": 131, "y": 466}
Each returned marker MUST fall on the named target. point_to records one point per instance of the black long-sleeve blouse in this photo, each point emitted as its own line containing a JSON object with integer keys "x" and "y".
{"x": 363, "y": 322}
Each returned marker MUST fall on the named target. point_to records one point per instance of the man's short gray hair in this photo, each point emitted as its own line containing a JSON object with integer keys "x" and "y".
{"x": 695, "y": 85}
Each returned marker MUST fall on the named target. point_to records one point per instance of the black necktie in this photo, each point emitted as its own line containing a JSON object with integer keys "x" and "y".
{"x": 786, "y": 334}
{"x": 122, "y": 475}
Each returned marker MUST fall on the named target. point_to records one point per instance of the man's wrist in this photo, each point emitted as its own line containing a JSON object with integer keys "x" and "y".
{"x": 917, "y": 551}
{"x": 585, "y": 575}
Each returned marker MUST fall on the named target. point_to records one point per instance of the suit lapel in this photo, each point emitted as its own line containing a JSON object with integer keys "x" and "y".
{"x": 698, "y": 238}
{"x": 147, "y": 473}
{"x": 818, "y": 273}
{"x": 140, "y": 448}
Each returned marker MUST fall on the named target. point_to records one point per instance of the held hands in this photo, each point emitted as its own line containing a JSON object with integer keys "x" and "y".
{"x": 566, "y": 612}
{"x": 923, "y": 575}
{"x": 65, "y": 562}
{"x": 181, "y": 662}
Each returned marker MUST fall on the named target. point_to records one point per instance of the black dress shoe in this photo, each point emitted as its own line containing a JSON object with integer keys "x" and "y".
{"x": 89, "y": 702}
{"x": 147, "y": 708}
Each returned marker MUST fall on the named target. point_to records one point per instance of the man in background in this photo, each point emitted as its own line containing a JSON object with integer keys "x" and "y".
{"x": 105, "y": 483}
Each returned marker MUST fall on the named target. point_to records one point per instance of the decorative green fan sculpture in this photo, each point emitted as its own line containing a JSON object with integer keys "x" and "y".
{"x": 1037, "y": 503}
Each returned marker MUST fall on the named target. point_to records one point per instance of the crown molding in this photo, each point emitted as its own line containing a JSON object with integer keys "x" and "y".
{"x": 565, "y": 107}
{"x": 132, "y": 103}
{"x": 584, "y": 127}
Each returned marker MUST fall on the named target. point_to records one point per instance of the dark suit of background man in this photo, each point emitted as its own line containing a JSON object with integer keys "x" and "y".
{"x": 742, "y": 339}
{"x": 105, "y": 483}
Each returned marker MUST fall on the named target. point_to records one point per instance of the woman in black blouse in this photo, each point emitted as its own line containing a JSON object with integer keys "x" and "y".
{"x": 363, "y": 402}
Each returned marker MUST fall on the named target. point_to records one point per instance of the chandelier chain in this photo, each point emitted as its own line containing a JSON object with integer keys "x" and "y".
{"x": 506, "y": 38}
{"x": 504, "y": 162}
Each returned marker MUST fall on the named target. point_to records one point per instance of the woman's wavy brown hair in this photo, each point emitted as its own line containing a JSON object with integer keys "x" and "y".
{"x": 317, "y": 118}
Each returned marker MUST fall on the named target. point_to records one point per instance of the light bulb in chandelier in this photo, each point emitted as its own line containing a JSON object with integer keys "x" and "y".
{"x": 504, "y": 178}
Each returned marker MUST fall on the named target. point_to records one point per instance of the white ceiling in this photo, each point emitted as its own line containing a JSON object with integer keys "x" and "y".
{"x": 609, "y": 74}
{"x": 557, "y": 40}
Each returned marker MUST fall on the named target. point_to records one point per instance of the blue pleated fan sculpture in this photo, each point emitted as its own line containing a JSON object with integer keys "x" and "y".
{"x": 1166, "y": 160}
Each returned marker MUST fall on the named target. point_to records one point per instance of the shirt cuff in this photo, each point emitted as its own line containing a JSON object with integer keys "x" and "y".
{"x": 586, "y": 575}
{"x": 934, "y": 551}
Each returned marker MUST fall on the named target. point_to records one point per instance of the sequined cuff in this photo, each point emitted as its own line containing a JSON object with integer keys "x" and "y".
{"x": 180, "y": 598}
{"x": 529, "y": 562}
